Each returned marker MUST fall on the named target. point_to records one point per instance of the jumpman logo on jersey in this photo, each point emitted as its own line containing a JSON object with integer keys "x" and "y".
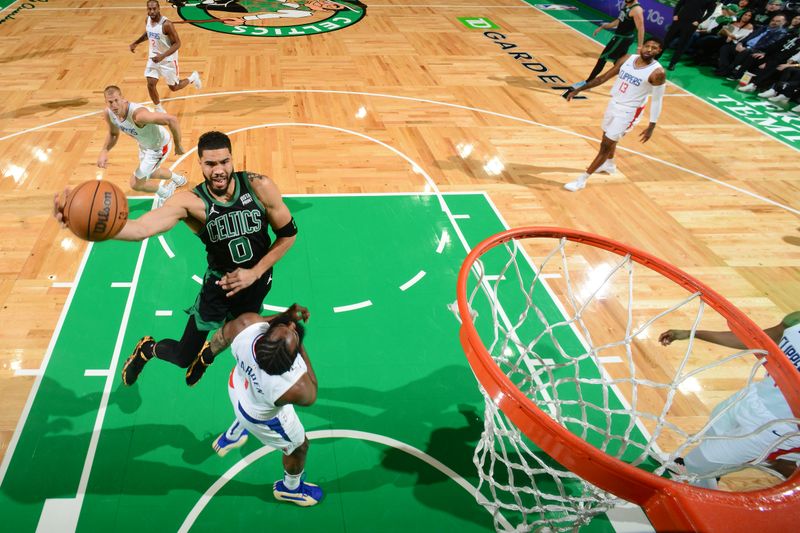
{"x": 213, "y": 210}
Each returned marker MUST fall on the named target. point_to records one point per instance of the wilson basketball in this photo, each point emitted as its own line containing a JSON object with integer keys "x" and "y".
{"x": 96, "y": 210}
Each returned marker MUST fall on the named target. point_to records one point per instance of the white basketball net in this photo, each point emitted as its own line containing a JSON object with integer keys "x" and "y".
{"x": 578, "y": 336}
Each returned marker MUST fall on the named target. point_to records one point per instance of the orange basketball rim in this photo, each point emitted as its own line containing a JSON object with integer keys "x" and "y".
{"x": 669, "y": 505}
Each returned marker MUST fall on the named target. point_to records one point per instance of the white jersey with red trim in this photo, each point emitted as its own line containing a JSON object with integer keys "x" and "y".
{"x": 159, "y": 41}
{"x": 149, "y": 136}
{"x": 767, "y": 389}
{"x": 633, "y": 86}
{"x": 256, "y": 390}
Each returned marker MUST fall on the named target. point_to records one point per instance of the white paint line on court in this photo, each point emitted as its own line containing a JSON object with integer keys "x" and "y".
{"x": 609, "y": 359}
{"x": 494, "y": 277}
{"x": 461, "y": 217}
{"x": 443, "y": 241}
{"x": 23, "y": 417}
{"x": 59, "y": 515}
{"x": 275, "y": 308}
{"x": 550, "y": 276}
{"x": 197, "y": 278}
{"x": 28, "y": 372}
{"x": 165, "y": 246}
{"x": 96, "y": 372}
{"x": 410, "y": 283}
{"x": 352, "y": 307}
{"x": 120, "y": 284}
{"x": 243, "y": 463}
{"x": 458, "y": 106}
{"x": 163, "y": 312}
{"x": 62, "y": 285}
{"x": 101, "y": 410}
{"x": 9, "y": 5}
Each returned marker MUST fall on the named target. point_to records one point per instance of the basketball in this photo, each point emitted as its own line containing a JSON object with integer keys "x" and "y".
{"x": 96, "y": 210}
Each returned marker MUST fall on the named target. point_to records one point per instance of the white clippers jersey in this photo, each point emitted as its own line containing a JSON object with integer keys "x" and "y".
{"x": 256, "y": 390}
{"x": 149, "y": 136}
{"x": 766, "y": 389}
{"x": 632, "y": 86}
{"x": 159, "y": 41}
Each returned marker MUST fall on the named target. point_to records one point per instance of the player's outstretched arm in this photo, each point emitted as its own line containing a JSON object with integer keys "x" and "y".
{"x": 638, "y": 20}
{"x": 727, "y": 338}
{"x": 110, "y": 142}
{"x": 223, "y": 337}
{"x": 600, "y": 80}
{"x": 166, "y": 217}
{"x": 144, "y": 116}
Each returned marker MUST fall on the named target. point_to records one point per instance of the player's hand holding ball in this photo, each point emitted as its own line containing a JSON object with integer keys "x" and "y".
{"x": 95, "y": 210}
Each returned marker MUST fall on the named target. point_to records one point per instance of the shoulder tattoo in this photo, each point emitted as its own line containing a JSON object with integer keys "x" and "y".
{"x": 252, "y": 176}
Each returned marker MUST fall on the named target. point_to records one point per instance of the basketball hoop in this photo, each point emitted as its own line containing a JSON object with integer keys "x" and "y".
{"x": 529, "y": 377}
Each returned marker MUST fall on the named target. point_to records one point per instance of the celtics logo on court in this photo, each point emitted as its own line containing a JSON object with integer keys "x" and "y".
{"x": 270, "y": 18}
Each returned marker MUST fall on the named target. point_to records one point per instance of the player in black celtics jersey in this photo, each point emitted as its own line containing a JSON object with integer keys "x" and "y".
{"x": 230, "y": 212}
{"x": 628, "y": 27}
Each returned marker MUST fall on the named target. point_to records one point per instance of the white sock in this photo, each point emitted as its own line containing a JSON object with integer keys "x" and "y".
{"x": 583, "y": 177}
{"x": 609, "y": 161}
{"x": 176, "y": 178}
{"x": 291, "y": 482}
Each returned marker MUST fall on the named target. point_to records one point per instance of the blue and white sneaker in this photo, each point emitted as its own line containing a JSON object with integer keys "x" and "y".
{"x": 222, "y": 445}
{"x": 305, "y": 495}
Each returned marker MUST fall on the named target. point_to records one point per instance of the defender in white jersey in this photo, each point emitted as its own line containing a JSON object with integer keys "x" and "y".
{"x": 272, "y": 374}
{"x": 162, "y": 58}
{"x": 147, "y": 128}
{"x": 638, "y": 76}
{"x": 750, "y": 416}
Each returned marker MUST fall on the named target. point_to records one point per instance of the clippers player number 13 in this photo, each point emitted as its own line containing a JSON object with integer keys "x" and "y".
{"x": 638, "y": 76}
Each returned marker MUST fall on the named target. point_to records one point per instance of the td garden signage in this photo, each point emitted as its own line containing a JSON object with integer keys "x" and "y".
{"x": 270, "y": 18}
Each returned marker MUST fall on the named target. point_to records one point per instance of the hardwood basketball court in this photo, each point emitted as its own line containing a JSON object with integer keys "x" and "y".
{"x": 362, "y": 128}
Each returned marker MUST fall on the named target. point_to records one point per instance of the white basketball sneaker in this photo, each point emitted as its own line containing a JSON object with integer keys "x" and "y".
{"x": 769, "y": 93}
{"x": 160, "y": 109}
{"x": 796, "y": 109}
{"x": 178, "y": 179}
{"x": 779, "y": 99}
{"x": 165, "y": 190}
{"x": 196, "y": 81}
{"x": 574, "y": 186}
{"x": 608, "y": 167}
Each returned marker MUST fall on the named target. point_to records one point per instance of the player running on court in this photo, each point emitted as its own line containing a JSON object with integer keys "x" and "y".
{"x": 638, "y": 76}
{"x": 230, "y": 212}
{"x": 628, "y": 27}
{"x": 272, "y": 374}
{"x": 162, "y": 59}
{"x": 149, "y": 131}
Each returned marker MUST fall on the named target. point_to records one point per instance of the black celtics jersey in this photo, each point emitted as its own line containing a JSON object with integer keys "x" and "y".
{"x": 626, "y": 26}
{"x": 235, "y": 233}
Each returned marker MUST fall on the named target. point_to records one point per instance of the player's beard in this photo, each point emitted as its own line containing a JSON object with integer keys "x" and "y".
{"x": 215, "y": 184}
